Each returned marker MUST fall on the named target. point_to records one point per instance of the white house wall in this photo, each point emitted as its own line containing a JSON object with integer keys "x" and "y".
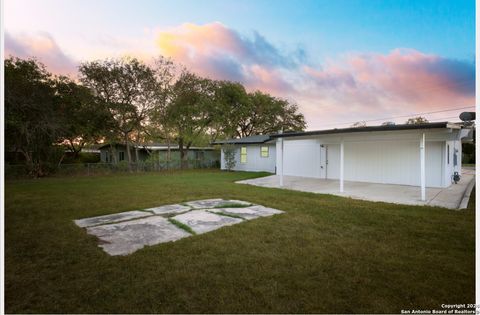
{"x": 390, "y": 158}
{"x": 301, "y": 158}
{"x": 255, "y": 162}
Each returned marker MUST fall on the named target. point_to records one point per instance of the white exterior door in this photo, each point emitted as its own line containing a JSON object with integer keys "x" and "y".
{"x": 323, "y": 161}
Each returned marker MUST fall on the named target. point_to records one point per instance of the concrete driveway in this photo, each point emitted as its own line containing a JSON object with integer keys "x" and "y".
{"x": 450, "y": 197}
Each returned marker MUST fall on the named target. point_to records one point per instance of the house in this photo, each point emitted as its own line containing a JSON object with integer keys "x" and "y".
{"x": 254, "y": 154}
{"x": 425, "y": 155}
{"x": 116, "y": 152}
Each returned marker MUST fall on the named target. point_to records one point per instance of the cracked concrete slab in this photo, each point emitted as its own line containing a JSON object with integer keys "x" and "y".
{"x": 126, "y": 232}
{"x": 248, "y": 213}
{"x": 175, "y": 208}
{"x": 239, "y": 202}
{"x": 111, "y": 218}
{"x": 215, "y": 203}
{"x": 206, "y": 203}
{"x": 202, "y": 221}
{"x": 127, "y": 237}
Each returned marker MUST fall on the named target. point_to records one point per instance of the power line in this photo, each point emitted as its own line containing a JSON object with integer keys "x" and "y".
{"x": 401, "y": 116}
{"x": 444, "y": 118}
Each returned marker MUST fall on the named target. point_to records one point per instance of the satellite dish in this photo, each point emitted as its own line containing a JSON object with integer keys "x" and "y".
{"x": 467, "y": 116}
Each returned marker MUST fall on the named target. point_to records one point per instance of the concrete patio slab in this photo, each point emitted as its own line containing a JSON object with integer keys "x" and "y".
{"x": 111, "y": 218}
{"x": 206, "y": 203}
{"x": 239, "y": 202}
{"x": 168, "y": 209}
{"x": 127, "y": 237}
{"x": 126, "y": 232}
{"x": 248, "y": 213}
{"x": 400, "y": 194}
{"x": 202, "y": 221}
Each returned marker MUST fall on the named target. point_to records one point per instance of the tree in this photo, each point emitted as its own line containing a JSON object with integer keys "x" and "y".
{"x": 32, "y": 121}
{"x": 229, "y": 156}
{"x": 232, "y": 110}
{"x": 254, "y": 113}
{"x": 416, "y": 120}
{"x": 158, "y": 127}
{"x": 359, "y": 124}
{"x": 126, "y": 87}
{"x": 83, "y": 119}
{"x": 188, "y": 114}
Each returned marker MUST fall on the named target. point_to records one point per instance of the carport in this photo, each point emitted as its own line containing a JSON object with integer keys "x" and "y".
{"x": 422, "y": 157}
{"x": 449, "y": 197}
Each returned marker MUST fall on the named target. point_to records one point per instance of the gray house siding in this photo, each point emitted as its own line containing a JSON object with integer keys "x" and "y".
{"x": 254, "y": 160}
{"x": 119, "y": 153}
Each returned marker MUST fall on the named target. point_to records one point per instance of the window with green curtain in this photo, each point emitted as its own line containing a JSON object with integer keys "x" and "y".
{"x": 264, "y": 151}
{"x": 243, "y": 155}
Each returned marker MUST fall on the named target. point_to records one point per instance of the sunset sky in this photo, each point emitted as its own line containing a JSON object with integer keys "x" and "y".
{"x": 341, "y": 61}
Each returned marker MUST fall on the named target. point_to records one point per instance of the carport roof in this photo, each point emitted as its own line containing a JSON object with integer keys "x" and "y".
{"x": 367, "y": 129}
{"x": 246, "y": 140}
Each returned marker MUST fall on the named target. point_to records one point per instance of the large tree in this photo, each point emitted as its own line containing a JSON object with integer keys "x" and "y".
{"x": 232, "y": 111}
{"x": 84, "y": 120}
{"x": 271, "y": 114}
{"x": 241, "y": 114}
{"x": 127, "y": 88}
{"x": 32, "y": 120}
{"x": 188, "y": 114}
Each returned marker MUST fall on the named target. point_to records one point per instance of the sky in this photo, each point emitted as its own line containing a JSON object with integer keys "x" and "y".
{"x": 341, "y": 61}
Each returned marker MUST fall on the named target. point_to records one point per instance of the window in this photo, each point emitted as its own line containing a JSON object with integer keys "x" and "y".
{"x": 448, "y": 154}
{"x": 121, "y": 156}
{"x": 264, "y": 152}
{"x": 243, "y": 155}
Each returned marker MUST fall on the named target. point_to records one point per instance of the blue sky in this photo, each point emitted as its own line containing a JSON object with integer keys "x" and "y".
{"x": 334, "y": 49}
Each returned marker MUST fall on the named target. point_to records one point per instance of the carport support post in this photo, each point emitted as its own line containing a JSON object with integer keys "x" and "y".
{"x": 280, "y": 158}
{"x": 422, "y": 165}
{"x": 341, "y": 165}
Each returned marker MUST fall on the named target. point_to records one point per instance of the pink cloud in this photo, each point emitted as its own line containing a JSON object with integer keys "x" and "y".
{"x": 366, "y": 86}
{"x": 355, "y": 86}
{"x": 416, "y": 78}
{"x": 43, "y": 47}
{"x": 217, "y": 51}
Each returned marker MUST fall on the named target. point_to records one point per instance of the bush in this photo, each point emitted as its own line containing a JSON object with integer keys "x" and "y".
{"x": 229, "y": 156}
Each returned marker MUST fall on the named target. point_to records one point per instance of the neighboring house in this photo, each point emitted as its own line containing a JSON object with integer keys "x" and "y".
{"x": 111, "y": 153}
{"x": 254, "y": 154}
{"x": 419, "y": 155}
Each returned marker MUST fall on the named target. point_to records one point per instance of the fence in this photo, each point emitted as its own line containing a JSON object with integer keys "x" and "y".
{"x": 13, "y": 171}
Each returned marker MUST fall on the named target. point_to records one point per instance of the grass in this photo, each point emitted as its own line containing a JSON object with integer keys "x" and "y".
{"x": 228, "y": 215}
{"x": 325, "y": 254}
{"x": 182, "y": 226}
{"x": 232, "y": 205}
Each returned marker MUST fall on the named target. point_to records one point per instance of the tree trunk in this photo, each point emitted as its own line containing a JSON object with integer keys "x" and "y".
{"x": 113, "y": 154}
{"x": 182, "y": 153}
{"x": 137, "y": 157}
{"x": 129, "y": 154}
{"x": 75, "y": 151}
{"x": 169, "y": 151}
{"x": 29, "y": 162}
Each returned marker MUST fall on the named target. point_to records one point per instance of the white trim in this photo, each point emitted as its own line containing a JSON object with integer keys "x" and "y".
{"x": 422, "y": 166}
{"x": 280, "y": 160}
{"x": 342, "y": 150}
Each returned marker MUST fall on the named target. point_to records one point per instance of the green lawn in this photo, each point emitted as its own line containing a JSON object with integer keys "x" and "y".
{"x": 325, "y": 254}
